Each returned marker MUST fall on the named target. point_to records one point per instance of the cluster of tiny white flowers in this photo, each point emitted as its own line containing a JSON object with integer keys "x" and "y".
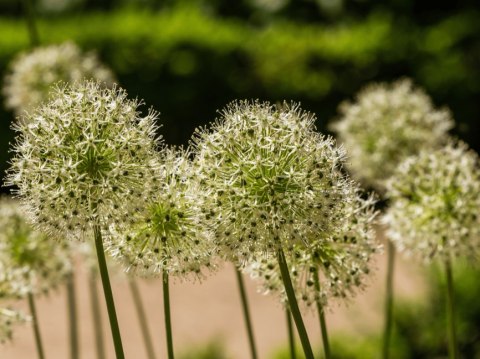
{"x": 168, "y": 232}
{"x": 275, "y": 181}
{"x": 29, "y": 261}
{"x": 435, "y": 198}
{"x": 9, "y": 318}
{"x": 341, "y": 265}
{"x": 82, "y": 159}
{"x": 31, "y": 76}
{"x": 386, "y": 124}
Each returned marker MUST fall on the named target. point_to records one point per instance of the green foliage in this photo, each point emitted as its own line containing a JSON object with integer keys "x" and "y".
{"x": 211, "y": 350}
{"x": 187, "y": 63}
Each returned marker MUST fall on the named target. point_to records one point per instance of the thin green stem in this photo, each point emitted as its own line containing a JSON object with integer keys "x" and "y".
{"x": 72, "y": 315}
{"x": 36, "y": 329}
{"x": 246, "y": 313}
{"x": 31, "y": 23}
{"x": 97, "y": 315}
{"x": 107, "y": 291}
{"x": 452, "y": 336}
{"x": 321, "y": 317}
{"x": 291, "y": 334}
{"x": 292, "y": 300}
{"x": 387, "y": 332}
{"x": 168, "y": 320}
{"x": 142, "y": 318}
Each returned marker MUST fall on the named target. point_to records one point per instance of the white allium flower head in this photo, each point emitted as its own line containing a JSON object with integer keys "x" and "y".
{"x": 9, "y": 318}
{"x": 435, "y": 202}
{"x": 342, "y": 265}
{"x": 30, "y": 262}
{"x": 386, "y": 124}
{"x": 29, "y": 81}
{"x": 275, "y": 181}
{"x": 168, "y": 231}
{"x": 82, "y": 159}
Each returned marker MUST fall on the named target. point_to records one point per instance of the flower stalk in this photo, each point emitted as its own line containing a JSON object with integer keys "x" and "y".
{"x": 36, "y": 328}
{"x": 321, "y": 317}
{"x": 96, "y": 315}
{"x": 291, "y": 334}
{"x": 107, "y": 290}
{"x": 387, "y": 332}
{"x": 246, "y": 313}
{"x": 292, "y": 300}
{"x": 452, "y": 335}
{"x": 72, "y": 316}
{"x": 168, "y": 320}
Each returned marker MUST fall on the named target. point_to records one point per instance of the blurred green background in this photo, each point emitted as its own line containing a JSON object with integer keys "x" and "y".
{"x": 188, "y": 59}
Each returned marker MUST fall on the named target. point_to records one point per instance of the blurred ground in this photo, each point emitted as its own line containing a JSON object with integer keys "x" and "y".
{"x": 201, "y": 313}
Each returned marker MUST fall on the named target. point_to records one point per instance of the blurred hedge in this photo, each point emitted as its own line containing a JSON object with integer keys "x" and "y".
{"x": 187, "y": 64}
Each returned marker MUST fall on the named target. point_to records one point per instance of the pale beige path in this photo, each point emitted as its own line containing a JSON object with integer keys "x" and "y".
{"x": 202, "y": 312}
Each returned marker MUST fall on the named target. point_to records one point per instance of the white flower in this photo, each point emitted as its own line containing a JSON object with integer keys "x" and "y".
{"x": 386, "y": 124}
{"x": 31, "y": 76}
{"x": 276, "y": 183}
{"x": 168, "y": 231}
{"x": 82, "y": 159}
{"x": 435, "y": 202}
{"x": 30, "y": 262}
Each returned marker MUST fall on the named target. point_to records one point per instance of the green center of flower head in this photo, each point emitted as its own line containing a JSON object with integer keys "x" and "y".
{"x": 94, "y": 163}
{"x": 20, "y": 251}
{"x": 166, "y": 220}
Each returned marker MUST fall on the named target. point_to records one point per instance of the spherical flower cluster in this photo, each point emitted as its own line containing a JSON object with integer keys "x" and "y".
{"x": 29, "y": 261}
{"x": 435, "y": 202}
{"x": 8, "y": 318}
{"x": 168, "y": 231}
{"x": 386, "y": 124}
{"x": 30, "y": 79}
{"x": 82, "y": 159}
{"x": 276, "y": 183}
{"x": 341, "y": 265}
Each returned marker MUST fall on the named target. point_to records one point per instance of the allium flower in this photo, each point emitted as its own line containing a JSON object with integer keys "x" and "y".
{"x": 81, "y": 159}
{"x": 31, "y": 76}
{"x": 8, "y": 318}
{"x": 435, "y": 202}
{"x": 341, "y": 265}
{"x": 386, "y": 124}
{"x": 29, "y": 261}
{"x": 168, "y": 231}
{"x": 276, "y": 183}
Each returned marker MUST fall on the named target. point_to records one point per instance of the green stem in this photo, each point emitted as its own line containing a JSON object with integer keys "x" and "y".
{"x": 168, "y": 321}
{"x": 97, "y": 315}
{"x": 137, "y": 300}
{"x": 31, "y": 23}
{"x": 291, "y": 335}
{"x": 292, "y": 300}
{"x": 246, "y": 314}
{"x": 107, "y": 291}
{"x": 36, "y": 329}
{"x": 387, "y": 333}
{"x": 72, "y": 315}
{"x": 321, "y": 317}
{"x": 452, "y": 337}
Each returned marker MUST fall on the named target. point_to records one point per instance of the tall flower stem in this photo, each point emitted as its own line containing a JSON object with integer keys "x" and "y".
{"x": 31, "y": 23}
{"x": 107, "y": 290}
{"x": 36, "y": 329}
{"x": 72, "y": 316}
{"x": 142, "y": 318}
{"x": 246, "y": 313}
{"x": 96, "y": 315}
{"x": 292, "y": 300}
{"x": 168, "y": 320}
{"x": 321, "y": 317}
{"x": 452, "y": 336}
{"x": 387, "y": 332}
{"x": 291, "y": 334}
